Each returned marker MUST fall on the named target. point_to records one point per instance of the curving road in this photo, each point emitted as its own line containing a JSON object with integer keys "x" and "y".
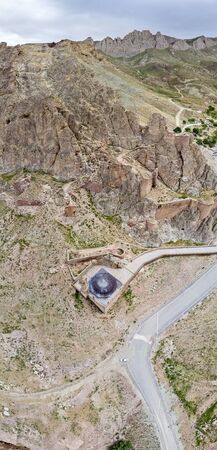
{"x": 181, "y": 109}
{"x": 140, "y": 347}
{"x": 139, "y": 353}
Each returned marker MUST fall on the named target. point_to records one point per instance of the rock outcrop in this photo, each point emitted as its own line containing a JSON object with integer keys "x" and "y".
{"x": 53, "y": 116}
{"x": 138, "y": 41}
{"x": 56, "y": 118}
{"x": 181, "y": 165}
{"x": 7, "y": 446}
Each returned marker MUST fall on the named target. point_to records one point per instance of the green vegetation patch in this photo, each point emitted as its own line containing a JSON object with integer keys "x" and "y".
{"x": 138, "y": 250}
{"x": 8, "y": 176}
{"x": 129, "y": 296}
{"x": 211, "y": 111}
{"x": 115, "y": 219}
{"x": 206, "y": 425}
{"x": 76, "y": 241}
{"x": 6, "y": 328}
{"x": 180, "y": 382}
{"x": 183, "y": 243}
{"x": 3, "y": 208}
{"x": 23, "y": 243}
{"x": 24, "y": 217}
{"x": 121, "y": 445}
{"x": 177, "y": 130}
{"x": 169, "y": 73}
{"x": 79, "y": 305}
{"x": 205, "y": 132}
{"x": 22, "y": 358}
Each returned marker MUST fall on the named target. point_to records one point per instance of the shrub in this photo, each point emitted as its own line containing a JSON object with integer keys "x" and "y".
{"x": 199, "y": 141}
{"x": 210, "y": 109}
{"x": 121, "y": 445}
{"x": 177, "y": 130}
{"x": 183, "y": 195}
{"x": 205, "y": 423}
{"x": 128, "y": 295}
{"x": 8, "y": 176}
{"x": 210, "y": 141}
{"x": 179, "y": 383}
{"x": 204, "y": 126}
{"x": 78, "y": 301}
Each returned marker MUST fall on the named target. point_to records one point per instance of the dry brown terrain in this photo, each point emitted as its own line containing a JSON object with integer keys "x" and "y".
{"x": 187, "y": 360}
{"x": 79, "y": 170}
{"x": 66, "y": 110}
{"x": 101, "y": 412}
{"x": 38, "y": 309}
{"x": 38, "y": 306}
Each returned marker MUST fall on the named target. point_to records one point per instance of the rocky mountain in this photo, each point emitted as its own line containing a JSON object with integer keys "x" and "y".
{"x": 138, "y": 41}
{"x": 78, "y": 170}
{"x": 181, "y": 167}
{"x": 56, "y": 118}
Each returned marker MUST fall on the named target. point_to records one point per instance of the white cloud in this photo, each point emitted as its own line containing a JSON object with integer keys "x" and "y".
{"x": 51, "y": 20}
{"x": 22, "y": 20}
{"x": 37, "y": 10}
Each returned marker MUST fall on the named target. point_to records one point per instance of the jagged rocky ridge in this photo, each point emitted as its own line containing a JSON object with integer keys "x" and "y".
{"x": 138, "y": 41}
{"x": 55, "y": 118}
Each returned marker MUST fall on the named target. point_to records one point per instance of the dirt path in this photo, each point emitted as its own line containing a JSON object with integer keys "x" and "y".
{"x": 110, "y": 363}
{"x": 179, "y": 113}
{"x": 181, "y": 109}
{"x": 62, "y": 390}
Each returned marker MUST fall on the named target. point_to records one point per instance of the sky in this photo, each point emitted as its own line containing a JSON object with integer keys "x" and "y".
{"x": 23, "y": 21}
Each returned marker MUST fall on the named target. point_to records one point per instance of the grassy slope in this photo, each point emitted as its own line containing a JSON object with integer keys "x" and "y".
{"x": 134, "y": 94}
{"x": 168, "y": 72}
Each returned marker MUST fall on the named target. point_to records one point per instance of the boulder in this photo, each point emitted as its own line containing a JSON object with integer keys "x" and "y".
{"x": 22, "y": 184}
{"x": 28, "y": 202}
{"x": 70, "y": 210}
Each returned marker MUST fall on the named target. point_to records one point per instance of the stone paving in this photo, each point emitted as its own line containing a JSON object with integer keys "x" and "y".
{"x": 121, "y": 278}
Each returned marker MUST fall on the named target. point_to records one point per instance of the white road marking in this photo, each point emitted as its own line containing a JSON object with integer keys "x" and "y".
{"x": 139, "y": 337}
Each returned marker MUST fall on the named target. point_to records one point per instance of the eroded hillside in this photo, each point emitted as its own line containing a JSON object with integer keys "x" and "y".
{"x": 79, "y": 169}
{"x": 57, "y": 117}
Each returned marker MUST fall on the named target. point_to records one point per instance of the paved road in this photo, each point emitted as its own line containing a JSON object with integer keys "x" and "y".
{"x": 146, "y": 258}
{"x": 139, "y": 353}
{"x": 139, "y": 350}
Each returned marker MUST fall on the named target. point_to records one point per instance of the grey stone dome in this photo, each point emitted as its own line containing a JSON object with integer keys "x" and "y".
{"x": 103, "y": 284}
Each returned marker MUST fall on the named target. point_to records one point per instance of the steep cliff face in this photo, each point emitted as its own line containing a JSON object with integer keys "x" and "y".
{"x": 53, "y": 116}
{"x": 181, "y": 165}
{"x": 126, "y": 184}
{"x": 138, "y": 41}
{"x": 56, "y": 118}
{"x": 129, "y": 193}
